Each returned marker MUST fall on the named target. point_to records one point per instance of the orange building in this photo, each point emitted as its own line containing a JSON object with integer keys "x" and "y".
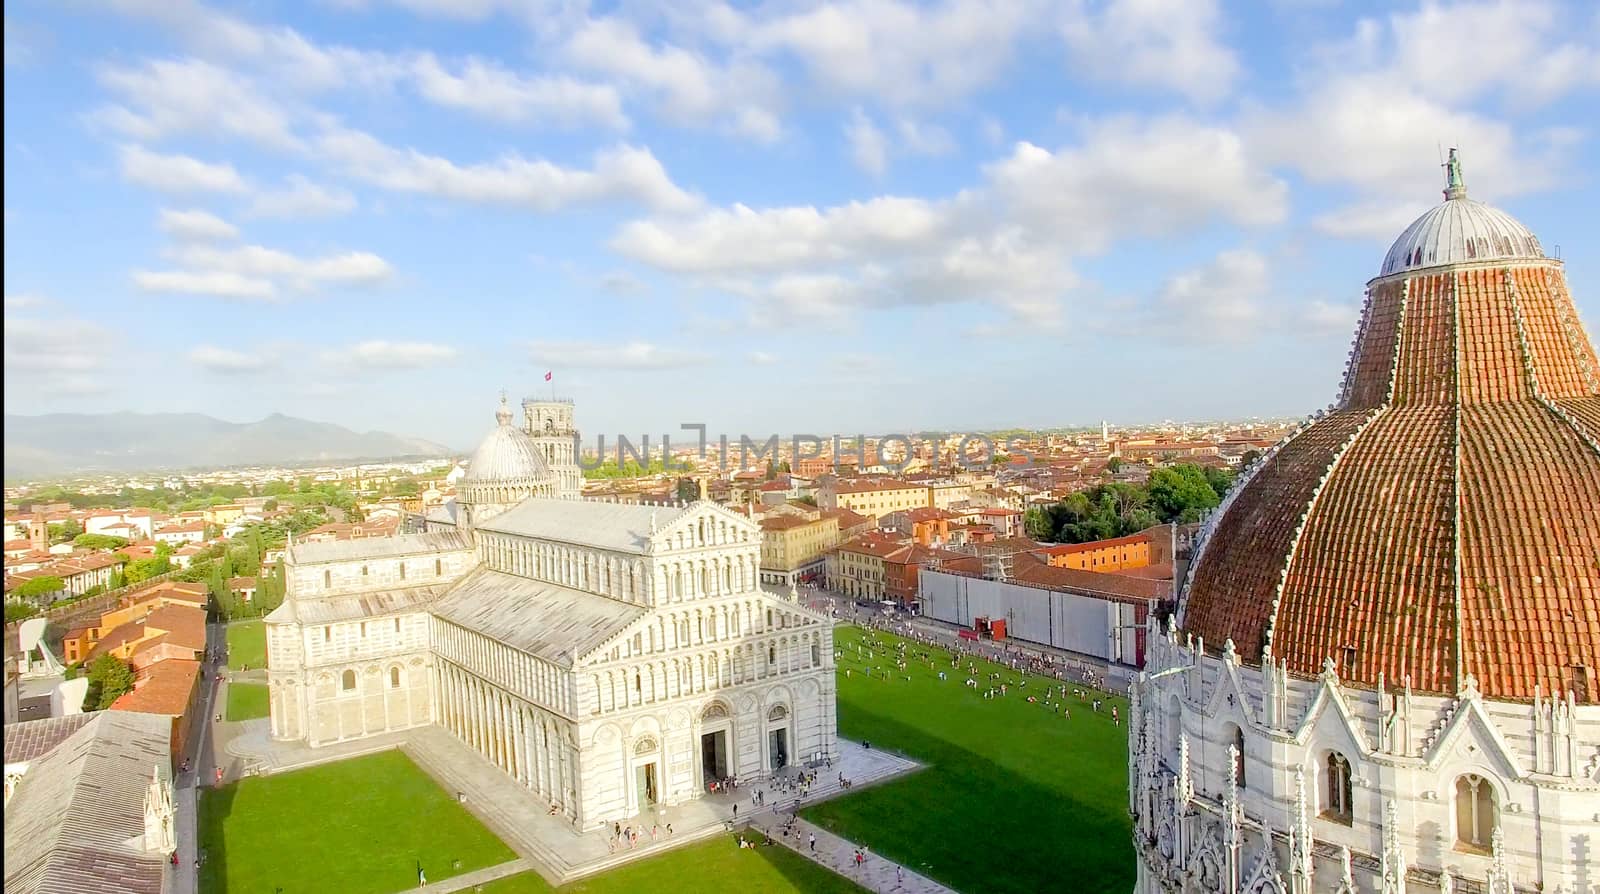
{"x": 1116, "y": 554}
{"x": 81, "y": 641}
{"x": 170, "y": 688}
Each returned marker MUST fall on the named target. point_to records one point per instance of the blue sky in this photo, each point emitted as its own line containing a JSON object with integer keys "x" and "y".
{"x": 768, "y": 217}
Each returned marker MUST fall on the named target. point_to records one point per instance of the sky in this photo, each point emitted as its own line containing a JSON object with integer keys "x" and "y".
{"x": 777, "y": 217}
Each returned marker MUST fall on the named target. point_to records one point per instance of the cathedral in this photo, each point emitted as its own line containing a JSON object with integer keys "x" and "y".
{"x": 608, "y": 657}
{"x": 1380, "y": 676}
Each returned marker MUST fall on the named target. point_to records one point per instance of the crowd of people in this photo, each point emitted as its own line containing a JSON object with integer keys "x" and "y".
{"x": 1055, "y": 684}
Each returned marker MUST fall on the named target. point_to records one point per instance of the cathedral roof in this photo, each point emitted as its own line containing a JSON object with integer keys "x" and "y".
{"x": 1442, "y": 519}
{"x": 623, "y": 527}
{"x": 546, "y": 620}
{"x": 77, "y": 818}
{"x": 378, "y": 547}
{"x": 507, "y": 455}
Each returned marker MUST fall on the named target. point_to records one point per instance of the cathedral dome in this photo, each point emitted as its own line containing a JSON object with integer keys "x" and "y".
{"x": 507, "y": 456}
{"x": 1442, "y": 519}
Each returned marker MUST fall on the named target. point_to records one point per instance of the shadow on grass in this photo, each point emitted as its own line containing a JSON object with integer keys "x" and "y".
{"x": 980, "y": 827}
{"x": 211, "y": 815}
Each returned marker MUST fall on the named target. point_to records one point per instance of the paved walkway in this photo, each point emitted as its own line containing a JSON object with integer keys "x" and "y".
{"x": 875, "y": 873}
{"x": 472, "y": 879}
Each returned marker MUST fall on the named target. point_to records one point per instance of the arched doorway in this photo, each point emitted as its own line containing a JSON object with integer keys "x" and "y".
{"x": 716, "y": 743}
{"x": 646, "y": 781}
{"x": 778, "y": 738}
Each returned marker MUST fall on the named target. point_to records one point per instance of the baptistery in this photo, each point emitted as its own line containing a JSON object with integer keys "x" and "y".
{"x": 1380, "y": 673}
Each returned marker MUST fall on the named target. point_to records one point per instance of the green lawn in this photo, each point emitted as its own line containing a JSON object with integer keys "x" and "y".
{"x": 357, "y": 826}
{"x": 246, "y": 701}
{"x": 715, "y": 865}
{"x": 247, "y": 645}
{"x": 1016, "y": 797}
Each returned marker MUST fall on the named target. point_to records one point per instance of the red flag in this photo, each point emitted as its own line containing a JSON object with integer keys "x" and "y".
{"x": 548, "y": 376}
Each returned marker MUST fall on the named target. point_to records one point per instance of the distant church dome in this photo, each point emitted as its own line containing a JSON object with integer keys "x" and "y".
{"x": 506, "y": 469}
{"x": 1441, "y": 521}
{"x": 507, "y": 454}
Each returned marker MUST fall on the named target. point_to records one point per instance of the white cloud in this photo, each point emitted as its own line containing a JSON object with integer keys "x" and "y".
{"x": 1385, "y": 139}
{"x": 868, "y": 146}
{"x": 1532, "y": 51}
{"x": 761, "y": 358}
{"x": 871, "y": 148}
{"x": 217, "y": 284}
{"x": 171, "y": 97}
{"x": 682, "y": 85}
{"x": 1138, "y": 176}
{"x": 1373, "y": 220}
{"x": 1008, "y": 242}
{"x": 226, "y": 361}
{"x": 196, "y": 225}
{"x": 380, "y": 354}
{"x": 1330, "y": 318}
{"x": 1217, "y": 301}
{"x": 924, "y": 139}
{"x": 620, "y": 173}
{"x": 255, "y": 261}
{"x": 301, "y": 198}
{"x": 594, "y": 355}
{"x": 61, "y": 355}
{"x": 25, "y": 301}
{"x": 487, "y": 89}
{"x": 1373, "y": 110}
{"x": 896, "y": 52}
{"x": 1165, "y": 44}
{"x": 178, "y": 173}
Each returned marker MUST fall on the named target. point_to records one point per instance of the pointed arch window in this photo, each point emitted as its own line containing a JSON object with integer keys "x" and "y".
{"x": 1477, "y": 812}
{"x": 1337, "y": 807}
{"x": 347, "y": 681}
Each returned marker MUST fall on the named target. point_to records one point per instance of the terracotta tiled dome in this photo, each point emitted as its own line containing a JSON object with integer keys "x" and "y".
{"x": 1443, "y": 518}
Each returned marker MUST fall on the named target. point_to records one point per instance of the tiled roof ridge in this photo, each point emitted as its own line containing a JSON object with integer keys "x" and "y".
{"x": 1533, "y": 372}
{"x": 1457, "y": 606}
{"x": 1339, "y": 452}
{"x": 1353, "y": 359}
{"x": 1572, "y": 328}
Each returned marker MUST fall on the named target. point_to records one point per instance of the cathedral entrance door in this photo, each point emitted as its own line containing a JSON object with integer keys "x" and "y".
{"x": 646, "y": 783}
{"x": 778, "y": 748}
{"x": 714, "y": 755}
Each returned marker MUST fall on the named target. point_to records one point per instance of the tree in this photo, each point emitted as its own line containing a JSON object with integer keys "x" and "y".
{"x": 110, "y": 678}
{"x": 270, "y": 506}
{"x": 144, "y": 569}
{"x": 99, "y": 541}
{"x": 1114, "y": 464}
{"x": 688, "y": 490}
{"x": 1249, "y": 458}
{"x": 20, "y": 611}
{"x": 39, "y": 586}
{"x": 1181, "y": 493}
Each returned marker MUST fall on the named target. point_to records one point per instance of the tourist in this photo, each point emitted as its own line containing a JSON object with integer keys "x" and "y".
{"x": 812, "y": 840}
{"x": 669, "y": 829}
{"x": 735, "y": 811}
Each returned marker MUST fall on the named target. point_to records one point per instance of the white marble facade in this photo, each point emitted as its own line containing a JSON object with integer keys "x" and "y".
{"x": 606, "y": 656}
{"x": 1247, "y": 779}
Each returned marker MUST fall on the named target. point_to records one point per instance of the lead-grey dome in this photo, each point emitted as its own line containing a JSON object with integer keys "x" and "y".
{"x": 1460, "y": 231}
{"x": 508, "y": 456}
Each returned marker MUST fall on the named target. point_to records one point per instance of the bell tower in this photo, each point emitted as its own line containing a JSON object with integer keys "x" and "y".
{"x": 549, "y": 422}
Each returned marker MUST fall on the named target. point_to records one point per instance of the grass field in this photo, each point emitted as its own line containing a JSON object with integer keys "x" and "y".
{"x": 1016, "y": 797}
{"x": 360, "y": 826}
{"x": 246, "y": 701}
{"x": 247, "y": 645}
{"x": 715, "y": 865}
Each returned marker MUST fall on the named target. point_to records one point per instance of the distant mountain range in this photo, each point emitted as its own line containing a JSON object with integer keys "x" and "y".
{"x": 66, "y": 443}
